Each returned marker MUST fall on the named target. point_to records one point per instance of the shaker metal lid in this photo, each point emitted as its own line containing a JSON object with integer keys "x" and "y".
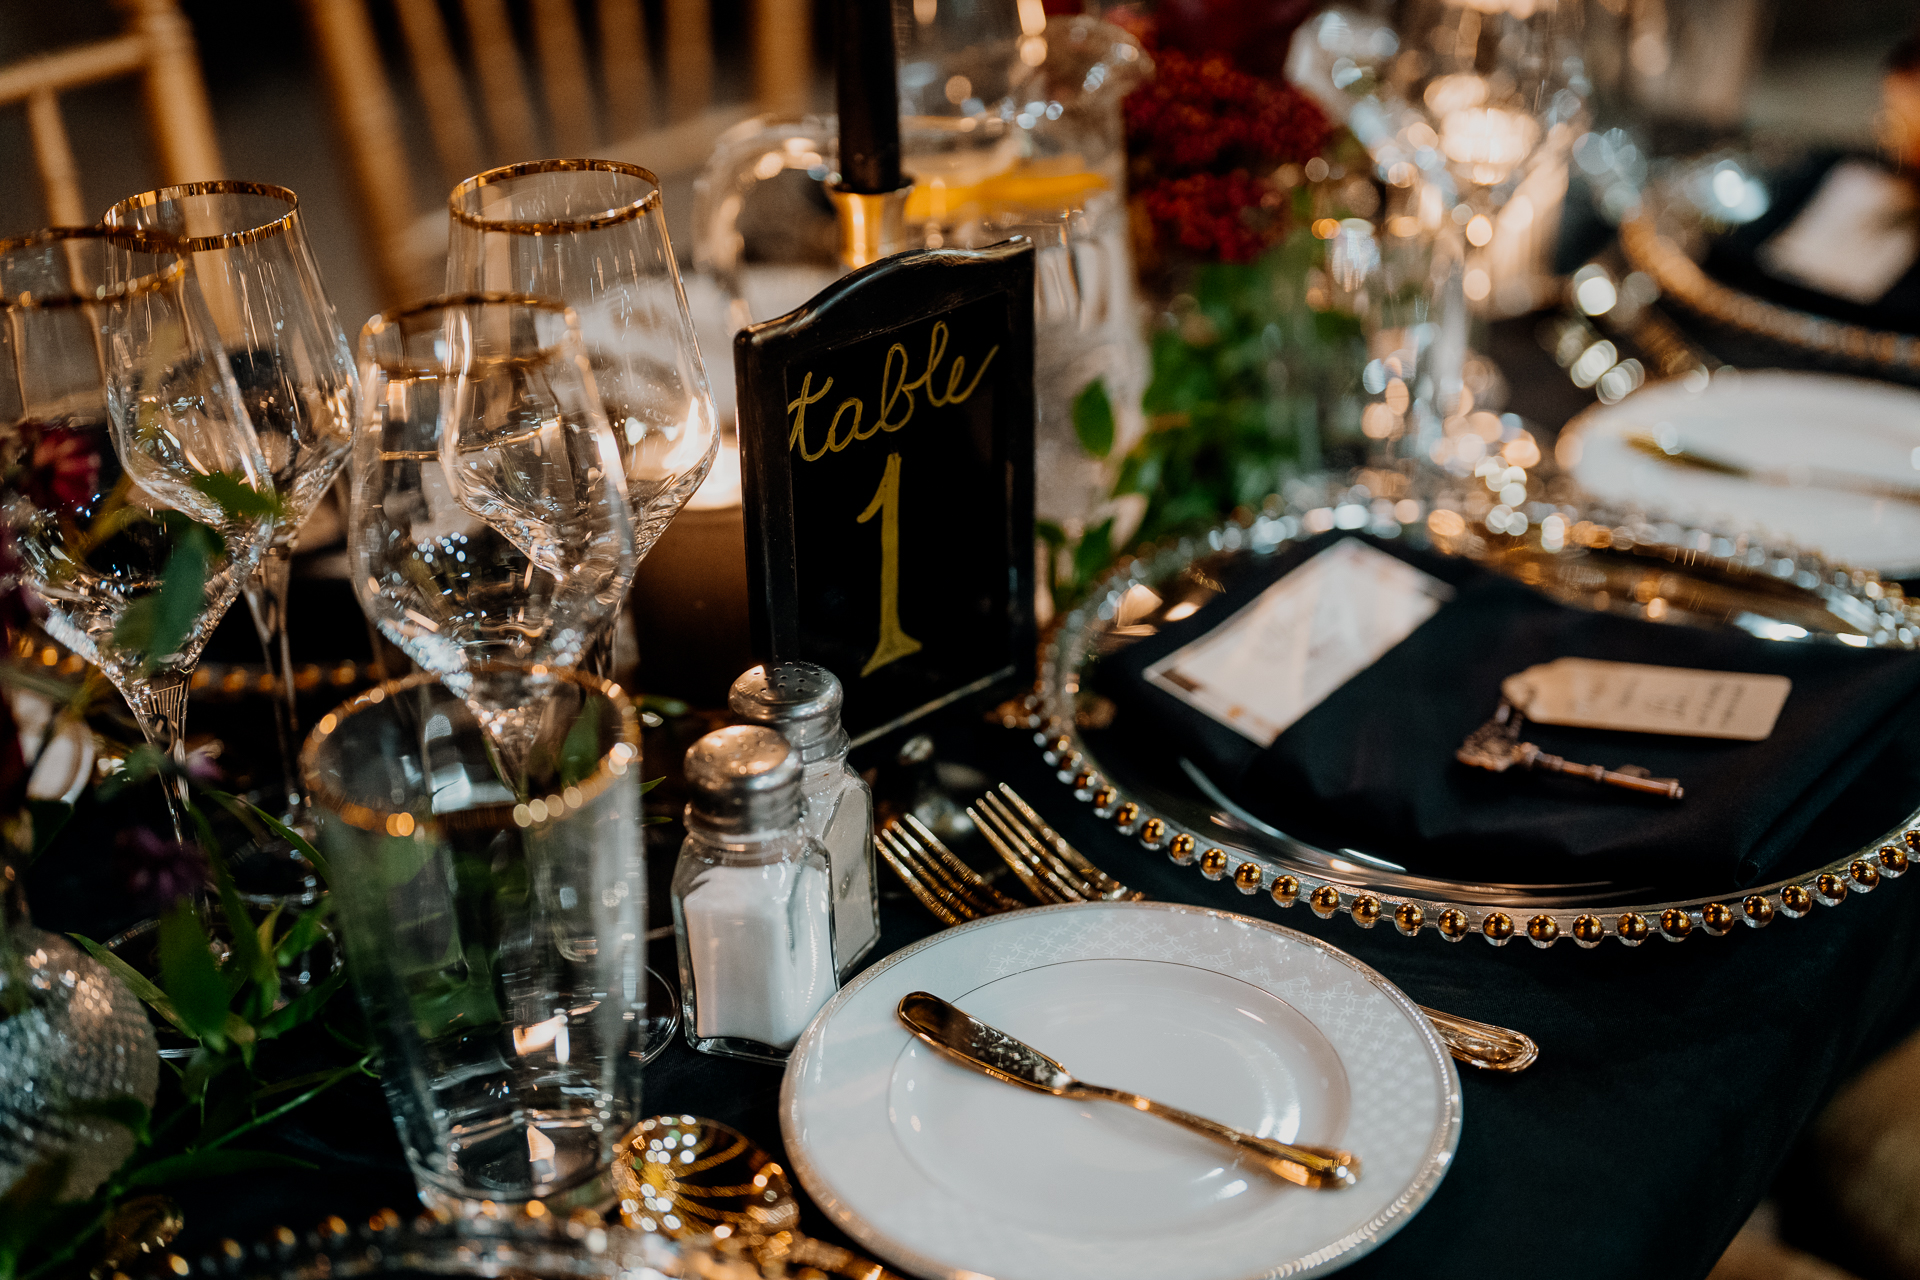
{"x": 803, "y": 699}
{"x": 745, "y": 776}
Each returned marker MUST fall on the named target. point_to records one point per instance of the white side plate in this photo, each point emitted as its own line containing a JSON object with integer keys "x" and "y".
{"x": 944, "y": 1172}
{"x": 1769, "y": 421}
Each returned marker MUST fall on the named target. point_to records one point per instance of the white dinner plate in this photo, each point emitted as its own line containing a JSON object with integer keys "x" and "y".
{"x": 1768, "y": 421}
{"x": 947, "y": 1173}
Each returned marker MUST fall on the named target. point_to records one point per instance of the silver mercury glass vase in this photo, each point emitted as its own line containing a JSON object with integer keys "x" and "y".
{"x": 70, "y": 1034}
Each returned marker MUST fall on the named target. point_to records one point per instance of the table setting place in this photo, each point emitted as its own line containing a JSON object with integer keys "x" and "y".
{"x": 1045, "y": 697}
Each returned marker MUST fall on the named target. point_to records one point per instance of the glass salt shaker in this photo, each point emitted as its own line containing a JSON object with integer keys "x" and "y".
{"x": 803, "y": 702}
{"x": 752, "y": 907}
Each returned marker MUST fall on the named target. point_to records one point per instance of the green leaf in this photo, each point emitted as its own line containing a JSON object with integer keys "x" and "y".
{"x": 203, "y": 1068}
{"x": 189, "y": 976}
{"x": 1050, "y": 533}
{"x": 668, "y": 707}
{"x": 242, "y": 810}
{"x": 136, "y": 983}
{"x": 302, "y": 1008}
{"x": 263, "y": 939}
{"x": 244, "y": 960}
{"x": 651, "y": 783}
{"x": 157, "y": 625}
{"x": 237, "y": 498}
{"x": 306, "y": 930}
{"x": 213, "y": 1163}
{"x": 1093, "y": 419}
{"x": 580, "y": 752}
{"x": 122, "y": 1109}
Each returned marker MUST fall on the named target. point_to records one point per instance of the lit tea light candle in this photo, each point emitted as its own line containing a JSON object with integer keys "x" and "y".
{"x": 1488, "y": 141}
{"x": 721, "y": 488}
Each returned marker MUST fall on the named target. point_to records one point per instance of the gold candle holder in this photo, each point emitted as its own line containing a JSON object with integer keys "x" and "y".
{"x": 871, "y": 226}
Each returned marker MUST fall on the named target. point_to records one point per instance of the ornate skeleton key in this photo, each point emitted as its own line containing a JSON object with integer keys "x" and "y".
{"x": 1496, "y": 746}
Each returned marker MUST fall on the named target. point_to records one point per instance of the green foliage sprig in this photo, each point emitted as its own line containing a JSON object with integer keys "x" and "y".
{"x": 224, "y": 994}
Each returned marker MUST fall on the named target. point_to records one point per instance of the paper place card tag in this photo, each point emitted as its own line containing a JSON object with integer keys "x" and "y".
{"x": 1305, "y": 636}
{"x": 1591, "y": 694}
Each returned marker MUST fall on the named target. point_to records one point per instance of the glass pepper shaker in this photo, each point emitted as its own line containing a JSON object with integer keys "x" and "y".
{"x": 803, "y": 702}
{"x": 752, "y": 908}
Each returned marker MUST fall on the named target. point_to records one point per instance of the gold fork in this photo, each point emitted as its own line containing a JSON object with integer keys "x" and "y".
{"x": 1050, "y": 868}
{"x": 1053, "y": 871}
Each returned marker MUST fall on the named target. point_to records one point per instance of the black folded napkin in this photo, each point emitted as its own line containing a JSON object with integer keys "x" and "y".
{"x": 1735, "y": 258}
{"x": 1372, "y": 767}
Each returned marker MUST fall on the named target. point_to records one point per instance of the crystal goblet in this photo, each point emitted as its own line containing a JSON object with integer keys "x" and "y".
{"x": 488, "y": 521}
{"x": 125, "y": 450}
{"x": 592, "y": 234}
{"x": 247, "y": 245}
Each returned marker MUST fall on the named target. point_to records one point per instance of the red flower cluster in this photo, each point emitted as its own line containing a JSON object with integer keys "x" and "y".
{"x": 1204, "y": 135}
{"x": 1233, "y": 216}
{"x": 1203, "y": 113}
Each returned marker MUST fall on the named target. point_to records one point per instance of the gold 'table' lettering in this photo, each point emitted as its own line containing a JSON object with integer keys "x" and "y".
{"x": 896, "y": 396}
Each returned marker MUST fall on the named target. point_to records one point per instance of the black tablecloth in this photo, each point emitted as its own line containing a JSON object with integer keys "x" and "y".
{"x": 1671, "y": 1083}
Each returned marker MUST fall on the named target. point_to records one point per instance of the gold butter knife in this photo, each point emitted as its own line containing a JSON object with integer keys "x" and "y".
{"x": 1809, "y": 477}
{"x": 970, "y": 1042}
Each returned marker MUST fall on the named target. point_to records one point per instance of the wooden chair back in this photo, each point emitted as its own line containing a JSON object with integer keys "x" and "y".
{"x": 157, "y": 46}
{"x": 590, "y": 84}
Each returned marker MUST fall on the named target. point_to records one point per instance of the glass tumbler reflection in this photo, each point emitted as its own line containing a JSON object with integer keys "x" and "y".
{"x": 496, "y": 944}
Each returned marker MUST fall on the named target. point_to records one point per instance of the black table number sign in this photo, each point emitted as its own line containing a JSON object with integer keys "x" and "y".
{"x": 886, "y": 434}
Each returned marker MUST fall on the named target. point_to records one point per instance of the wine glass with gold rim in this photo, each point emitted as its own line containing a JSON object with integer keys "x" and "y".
{"x": 592, "y": 234}
{"x": 127, "y": 462}
{"x": 247, "y": 246}
{"x": 488, "y": 523}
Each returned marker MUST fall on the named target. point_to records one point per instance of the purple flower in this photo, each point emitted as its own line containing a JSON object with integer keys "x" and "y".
{"x": 203, "y": 766}
{"x": 63, "y": 468}
{"x": 160, "y": 871}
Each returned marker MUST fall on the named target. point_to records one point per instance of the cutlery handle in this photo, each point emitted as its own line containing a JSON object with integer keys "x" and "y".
{"x": 1317, "y": 1167}
{"x": 1481, "y": 1044}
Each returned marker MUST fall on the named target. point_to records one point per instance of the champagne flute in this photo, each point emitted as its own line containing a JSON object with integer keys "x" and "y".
{"x": 248, "y": 248}
{"x": 488, "y": 524}
{"x": 124, "y": 423}
{"x": 591, "y": 233}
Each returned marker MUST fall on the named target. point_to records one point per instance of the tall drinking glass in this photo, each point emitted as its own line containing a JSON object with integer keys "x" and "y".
{"x": 497, "y": 944}
{"x": 247, "y": 243}
{"x": 592, "y": 234}
{"x": 488, "y": 523}
{"x": 123, "y": 422}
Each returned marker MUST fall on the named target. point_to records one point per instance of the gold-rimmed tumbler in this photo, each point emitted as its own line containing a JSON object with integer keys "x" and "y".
{"x": 496, "y": 942}
{"x": 124, "y": 448}
{"x": 247, "y": 245}
{"x": 592, "y": 233}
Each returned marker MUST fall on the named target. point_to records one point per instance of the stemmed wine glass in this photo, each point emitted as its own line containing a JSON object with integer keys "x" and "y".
{"x": 247, "y": 245}
{"x": 488, "y": 523}
{"x": 125, "y": 428}
{"x": 591, "y": 233}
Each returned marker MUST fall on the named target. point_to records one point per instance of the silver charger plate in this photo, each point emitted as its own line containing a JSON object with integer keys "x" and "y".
{"x": 1582, "y": 554}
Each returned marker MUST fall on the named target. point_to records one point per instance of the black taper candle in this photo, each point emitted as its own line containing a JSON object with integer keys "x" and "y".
{"x": 869, "y": 96}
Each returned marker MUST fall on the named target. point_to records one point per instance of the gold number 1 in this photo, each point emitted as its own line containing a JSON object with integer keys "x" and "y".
{"x": 894, "y": 643}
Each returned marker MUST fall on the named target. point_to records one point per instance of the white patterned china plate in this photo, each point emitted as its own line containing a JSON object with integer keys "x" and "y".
{"x": 946, "y": 1173}
{"x": 1806, "y": 429}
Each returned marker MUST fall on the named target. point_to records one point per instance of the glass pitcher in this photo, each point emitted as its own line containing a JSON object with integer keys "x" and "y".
{"x": 1005, "y": 131}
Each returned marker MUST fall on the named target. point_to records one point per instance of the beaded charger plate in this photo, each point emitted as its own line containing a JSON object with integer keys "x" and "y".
{"x": 1668, "y": 236}
{"x": 1608, "y": 560}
